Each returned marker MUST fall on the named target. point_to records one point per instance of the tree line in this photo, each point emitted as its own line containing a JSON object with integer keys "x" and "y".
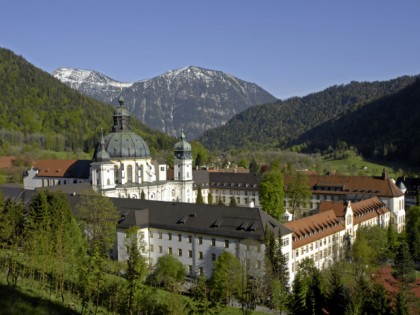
{"x": 277, "y": 124}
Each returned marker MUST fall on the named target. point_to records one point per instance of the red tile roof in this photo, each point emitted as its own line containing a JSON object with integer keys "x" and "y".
{"x": 339, "y": 185}
{"x": 368, "y": 209}
{"x": 63, "y": 168}
{"x": 313, "y": 228}
{"x": 53, "y": 168}
{"x": 362, "y": 210}
{"x": 6, "y": 161}
{"x": 339, "y": 207}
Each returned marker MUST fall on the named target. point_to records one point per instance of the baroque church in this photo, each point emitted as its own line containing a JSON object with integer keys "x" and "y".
{"x": 122, "y": 166}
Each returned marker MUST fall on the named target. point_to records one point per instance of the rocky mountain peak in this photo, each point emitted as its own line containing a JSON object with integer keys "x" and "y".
{"x": 192, "y": 97}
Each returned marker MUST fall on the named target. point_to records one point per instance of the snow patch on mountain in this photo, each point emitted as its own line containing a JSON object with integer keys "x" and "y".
{"x": 190, "y": 98}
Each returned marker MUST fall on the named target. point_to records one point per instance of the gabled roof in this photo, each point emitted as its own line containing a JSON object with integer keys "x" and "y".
{"x": 362, "y": 210}
{"x": 365, "y": 185}
{"x": 339, "y": 207}
{"x": 63, "y": 168}
{"x": 368, "y": 209}
{"x": 313, "y": 228}
{"x": 239, "y": 222}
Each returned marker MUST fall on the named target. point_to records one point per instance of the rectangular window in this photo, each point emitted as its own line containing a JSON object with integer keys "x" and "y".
{"x": 179, "y": 252}
{"x": 201, "y": 271}
{"x": 160, "y": 249}
{"x": 160, "y": 235}
{"x": 200, "y": 240}
{"x": 189, "y": 239}
{"x": 170, "y": 236}
{"x": 226, "y": 243}
{"x": 189, "y": 253}
{"x": 151, "y": 248}
{"x": 179, "y": 237}
{"x": 213, "y": 242}
{"x": 200, "y": 255}
{"x": 190, "y": 270}
{"x": 170, "y": 250}
{"x": 213, "y": 257}
{"x": 151, "y": 234}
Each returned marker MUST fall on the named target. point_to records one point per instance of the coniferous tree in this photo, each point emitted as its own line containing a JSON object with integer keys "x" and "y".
{"x": 379, "y": 302}
{"x": 201, "y": 296}
{"x": 199, "y": 200}
{"x": 307, "y": 296}
{"x": 142, "y": 195}
{"x": 401, "y": 304}
{"x": 413, "y": 232}
{"x": 391, "y": 239}
{"x": 403, "y": 264}
{"x": 11, "y": 236}
{"x": 253, "y": 166}
{"x": 210, "y": 198}
{"x": 232, "y": 202}
{"x": 360, "y": 297}
{"x": 136, "y": 270}
{"x": 336, "y": 296}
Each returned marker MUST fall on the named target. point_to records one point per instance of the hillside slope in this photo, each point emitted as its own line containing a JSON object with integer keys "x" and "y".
{"x": 37, "y": 109}
{"x": 277, "y": 124}
{"x": 388, "y": 128}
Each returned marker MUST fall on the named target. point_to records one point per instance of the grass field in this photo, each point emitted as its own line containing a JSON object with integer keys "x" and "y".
{"x": 356, "y": 165}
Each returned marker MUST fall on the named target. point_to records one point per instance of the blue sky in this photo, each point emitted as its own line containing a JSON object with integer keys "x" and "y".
{"x": 289, "y": 48}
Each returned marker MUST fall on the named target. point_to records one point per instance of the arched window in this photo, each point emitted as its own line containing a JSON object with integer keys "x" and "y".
{"x": 129, "y": 174}
{"x": 116, "y": 174}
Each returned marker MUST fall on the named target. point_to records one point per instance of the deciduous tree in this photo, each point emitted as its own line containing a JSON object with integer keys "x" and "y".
{"x": 271, "y": 192}
{"x": 298, "y": 193}
{"x": 168, "y": 272}
{"x": 99, "y": 218}
{"x": 226, "y": 279}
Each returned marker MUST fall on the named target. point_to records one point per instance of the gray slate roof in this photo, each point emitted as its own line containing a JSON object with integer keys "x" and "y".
{"x": 235, "y": 222}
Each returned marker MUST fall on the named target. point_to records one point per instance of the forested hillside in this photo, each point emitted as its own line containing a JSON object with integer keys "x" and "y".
{"x": 387, "y": 128}
{"x": 277, "y": 124}
{"x": 37, "y": 109}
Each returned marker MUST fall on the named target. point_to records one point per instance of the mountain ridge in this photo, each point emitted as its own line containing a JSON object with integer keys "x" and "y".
{"x": 191, "y": 98}
{"x": 278, "y": 124}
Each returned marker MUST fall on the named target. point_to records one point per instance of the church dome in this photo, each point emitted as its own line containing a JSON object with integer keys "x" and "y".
{"x": 126, "y": 144}
{"x": 122, "y": 143}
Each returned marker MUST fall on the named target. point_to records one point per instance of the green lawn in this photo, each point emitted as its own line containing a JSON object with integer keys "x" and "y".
{"x": 355, "y": 165}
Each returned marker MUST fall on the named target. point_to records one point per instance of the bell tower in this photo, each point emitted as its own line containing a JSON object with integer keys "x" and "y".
{"x": 183, "y": 160}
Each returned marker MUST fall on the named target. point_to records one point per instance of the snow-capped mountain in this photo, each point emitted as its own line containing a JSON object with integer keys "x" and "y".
{"x": 191, "y": 98}
{"x": 91, "y": 83}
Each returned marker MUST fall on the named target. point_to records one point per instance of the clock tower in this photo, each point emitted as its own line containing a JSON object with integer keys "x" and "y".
{"x": 183, "y": 160}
